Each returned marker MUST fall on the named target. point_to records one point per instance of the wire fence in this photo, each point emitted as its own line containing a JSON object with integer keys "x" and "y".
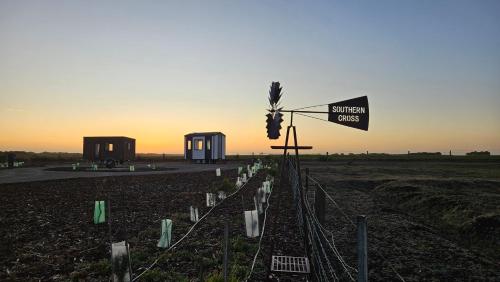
{"x": 351, "y": 222}
{"x": 327, "y": 262}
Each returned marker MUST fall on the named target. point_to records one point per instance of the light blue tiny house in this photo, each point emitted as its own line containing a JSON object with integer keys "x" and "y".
{"x": 205, "y": 147}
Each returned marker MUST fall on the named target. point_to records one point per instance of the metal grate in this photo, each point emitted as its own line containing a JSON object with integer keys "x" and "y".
{"x": 290, "y": 264}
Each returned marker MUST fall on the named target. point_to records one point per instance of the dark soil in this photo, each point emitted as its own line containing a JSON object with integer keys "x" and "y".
{"x": 47, "y": 232}
{"x": 421, "y": 226}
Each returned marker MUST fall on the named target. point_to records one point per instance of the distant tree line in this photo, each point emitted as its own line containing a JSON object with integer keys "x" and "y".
{"x": 41, "y": 157}
{"x": 478, "y": 153}
{"x": 425, "y": 154}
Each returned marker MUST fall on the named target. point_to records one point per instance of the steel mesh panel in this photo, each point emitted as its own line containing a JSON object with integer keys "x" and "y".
{"x": 290, "y": 264}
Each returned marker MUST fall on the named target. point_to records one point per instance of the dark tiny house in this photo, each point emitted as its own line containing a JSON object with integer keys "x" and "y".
{"x": 109, "y": 149}
{"x": 205, "y": 147}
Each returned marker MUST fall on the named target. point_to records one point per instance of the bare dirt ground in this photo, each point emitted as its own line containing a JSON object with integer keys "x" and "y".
{"x": 47, "y": 232}
{"x": 427, "y": 221}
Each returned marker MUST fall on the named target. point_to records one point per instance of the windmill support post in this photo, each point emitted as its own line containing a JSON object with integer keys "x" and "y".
{"x": 362, "y": 249}
{"x": 296, "y": 147}
{"x": 226, "y": 250}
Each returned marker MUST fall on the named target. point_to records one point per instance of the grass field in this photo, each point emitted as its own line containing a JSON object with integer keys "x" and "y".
{"x": 427, "y": 219}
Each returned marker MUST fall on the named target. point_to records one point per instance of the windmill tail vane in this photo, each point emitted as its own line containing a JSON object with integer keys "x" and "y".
{"x": 352, "y": 113}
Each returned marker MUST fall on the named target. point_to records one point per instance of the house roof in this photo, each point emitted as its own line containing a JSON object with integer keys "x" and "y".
{"x": 204, "y": 133}
{"x": 107, "y": 137}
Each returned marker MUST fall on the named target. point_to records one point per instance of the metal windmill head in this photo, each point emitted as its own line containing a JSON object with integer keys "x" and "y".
{"x": 274, "y": 117}
{"x": 275, "y": 95}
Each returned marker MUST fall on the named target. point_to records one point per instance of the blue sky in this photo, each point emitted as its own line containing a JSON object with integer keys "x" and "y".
{"x": 431, "y": 71}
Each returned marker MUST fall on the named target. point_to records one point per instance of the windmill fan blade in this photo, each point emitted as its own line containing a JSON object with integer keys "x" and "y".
{"x": 274, "y": 94}
{"x": 274, "y": 125}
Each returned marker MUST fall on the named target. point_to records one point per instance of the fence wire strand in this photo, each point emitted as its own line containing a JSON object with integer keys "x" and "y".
{"x": 324, "y": 255}
{"x": 337, "y": 254}
{"x": 189, "y": 232}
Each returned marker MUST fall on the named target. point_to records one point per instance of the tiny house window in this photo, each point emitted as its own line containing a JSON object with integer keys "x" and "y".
{"x": 189, "y": 145}
{"x": 128, "y": 146}
{"x": 199, "y": 144}
{"x": 110, "y": 147}
{"x": 97, "y": 149}
{"x": 208, "y": 144}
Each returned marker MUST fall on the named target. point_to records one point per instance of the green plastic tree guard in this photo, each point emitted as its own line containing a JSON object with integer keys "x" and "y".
{"x": 99, "y": 212}
{"x": 166, "y": 233}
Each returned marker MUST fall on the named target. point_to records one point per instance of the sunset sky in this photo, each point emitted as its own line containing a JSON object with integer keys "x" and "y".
{"x": 156, "y": 70}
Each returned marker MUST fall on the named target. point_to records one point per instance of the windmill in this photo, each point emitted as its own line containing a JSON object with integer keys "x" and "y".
{"x": 352, "y": 113}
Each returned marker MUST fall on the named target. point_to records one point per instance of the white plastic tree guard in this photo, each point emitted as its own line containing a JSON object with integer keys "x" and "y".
{"x": 261, "y": 195}
{"x": 217, "y": 172}
{"x": 193, "y": 214}
{"x": 250, "y": 174}
{"x": 166, "y": 233}
{"x": 239, "y": 182}
{"x": 270, "y": 179}
{"x": 131, "y": 168}
{"x": 252, "y": 223}
{"x": 244, "y": 178}
{"x": 211, "y": 199}
{"x": 240, "y": 169}
{"x": 258, "y": 205}
{"x": 221, "y": 195}
{"x": 120, "y": 259}
{"x": 266, "y": 186}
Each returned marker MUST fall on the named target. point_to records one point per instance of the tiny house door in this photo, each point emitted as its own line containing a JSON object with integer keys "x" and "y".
{"x": 198, "y": 148}
{"x": 208, "y": 148}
